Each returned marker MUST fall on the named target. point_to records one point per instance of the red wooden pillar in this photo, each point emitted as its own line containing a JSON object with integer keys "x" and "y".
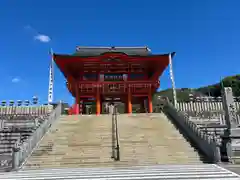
{"x": 150, "y": 108}
{"x": 98, "y": 102}
{"x": 77, "y": 99}
{"x": 129, "y": 101}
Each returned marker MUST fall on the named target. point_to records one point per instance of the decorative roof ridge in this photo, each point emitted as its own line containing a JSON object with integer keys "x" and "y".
{"x": 113, "y": 47}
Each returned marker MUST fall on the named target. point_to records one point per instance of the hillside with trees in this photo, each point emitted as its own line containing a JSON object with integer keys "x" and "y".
{"x": 211, "y": 90}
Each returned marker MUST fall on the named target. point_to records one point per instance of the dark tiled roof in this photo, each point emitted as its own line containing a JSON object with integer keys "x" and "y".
{"x": 96, "y": 51}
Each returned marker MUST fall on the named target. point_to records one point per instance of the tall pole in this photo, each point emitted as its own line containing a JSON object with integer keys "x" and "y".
{"x": 172, "y": 80}
{"x": 51, "y": 77}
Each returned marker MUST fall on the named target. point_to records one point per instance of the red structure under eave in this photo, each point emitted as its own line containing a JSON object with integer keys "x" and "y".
{"x": 112, "y": 75}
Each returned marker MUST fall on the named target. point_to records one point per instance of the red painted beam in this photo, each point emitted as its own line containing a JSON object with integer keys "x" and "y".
{"x": 87, "y": 96}
{"x": 139, "y": 95}
{"x": 117, "y": 82}
{"x": 115, "y": 71}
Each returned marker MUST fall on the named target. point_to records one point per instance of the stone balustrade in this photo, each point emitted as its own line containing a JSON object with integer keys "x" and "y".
{"x": 18, "y": 125}
{"x": 209, "y": 144}
{"x": 211, "y": 110}
{"x": 13, "y": 110}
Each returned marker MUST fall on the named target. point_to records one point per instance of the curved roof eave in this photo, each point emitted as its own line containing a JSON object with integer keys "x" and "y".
{"x": 89, "y": 56}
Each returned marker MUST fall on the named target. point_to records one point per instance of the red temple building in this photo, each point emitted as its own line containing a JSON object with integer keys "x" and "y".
{"x": 101, "y": 74}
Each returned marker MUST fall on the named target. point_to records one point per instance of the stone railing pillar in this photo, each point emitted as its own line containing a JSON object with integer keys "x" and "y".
{"x": 2, "y": 123}
{"x": 229, "y": 108}
{"x": 15, "y": 158}
{"x": 231, "y": 138}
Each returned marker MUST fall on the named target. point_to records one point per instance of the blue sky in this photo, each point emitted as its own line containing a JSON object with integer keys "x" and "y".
{"x": 204, "y": 33}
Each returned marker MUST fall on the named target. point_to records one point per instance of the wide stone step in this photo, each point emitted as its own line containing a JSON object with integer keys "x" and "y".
{"x": 121, "y": 164}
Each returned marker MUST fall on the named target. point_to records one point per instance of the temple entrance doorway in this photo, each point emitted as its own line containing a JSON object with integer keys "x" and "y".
{"x": 107, "y": 101}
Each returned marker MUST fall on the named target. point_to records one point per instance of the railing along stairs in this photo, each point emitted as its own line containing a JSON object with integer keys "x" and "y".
{"x": 115, "y": 139}
{"x": 21, "y": 151}
{"x": 209, "y": 144}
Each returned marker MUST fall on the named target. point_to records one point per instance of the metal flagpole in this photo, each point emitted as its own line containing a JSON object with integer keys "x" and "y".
{"x": 172, "y": 79}
{"x": 51, "y": 77}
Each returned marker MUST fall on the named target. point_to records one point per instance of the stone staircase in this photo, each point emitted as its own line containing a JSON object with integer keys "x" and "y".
{"x": 153, "y": 139}
{"x": 86, "y": 141}
{"x": 75, "y": 141}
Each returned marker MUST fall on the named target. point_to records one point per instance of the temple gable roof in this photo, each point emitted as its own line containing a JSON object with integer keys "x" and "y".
{"x": 96, "y": 51}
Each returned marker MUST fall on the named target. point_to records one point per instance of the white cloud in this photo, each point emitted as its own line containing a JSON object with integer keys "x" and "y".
{"x": 42, "y": 38}
{"x": 37, "y": 36}
{"x": 16, "y": 80}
